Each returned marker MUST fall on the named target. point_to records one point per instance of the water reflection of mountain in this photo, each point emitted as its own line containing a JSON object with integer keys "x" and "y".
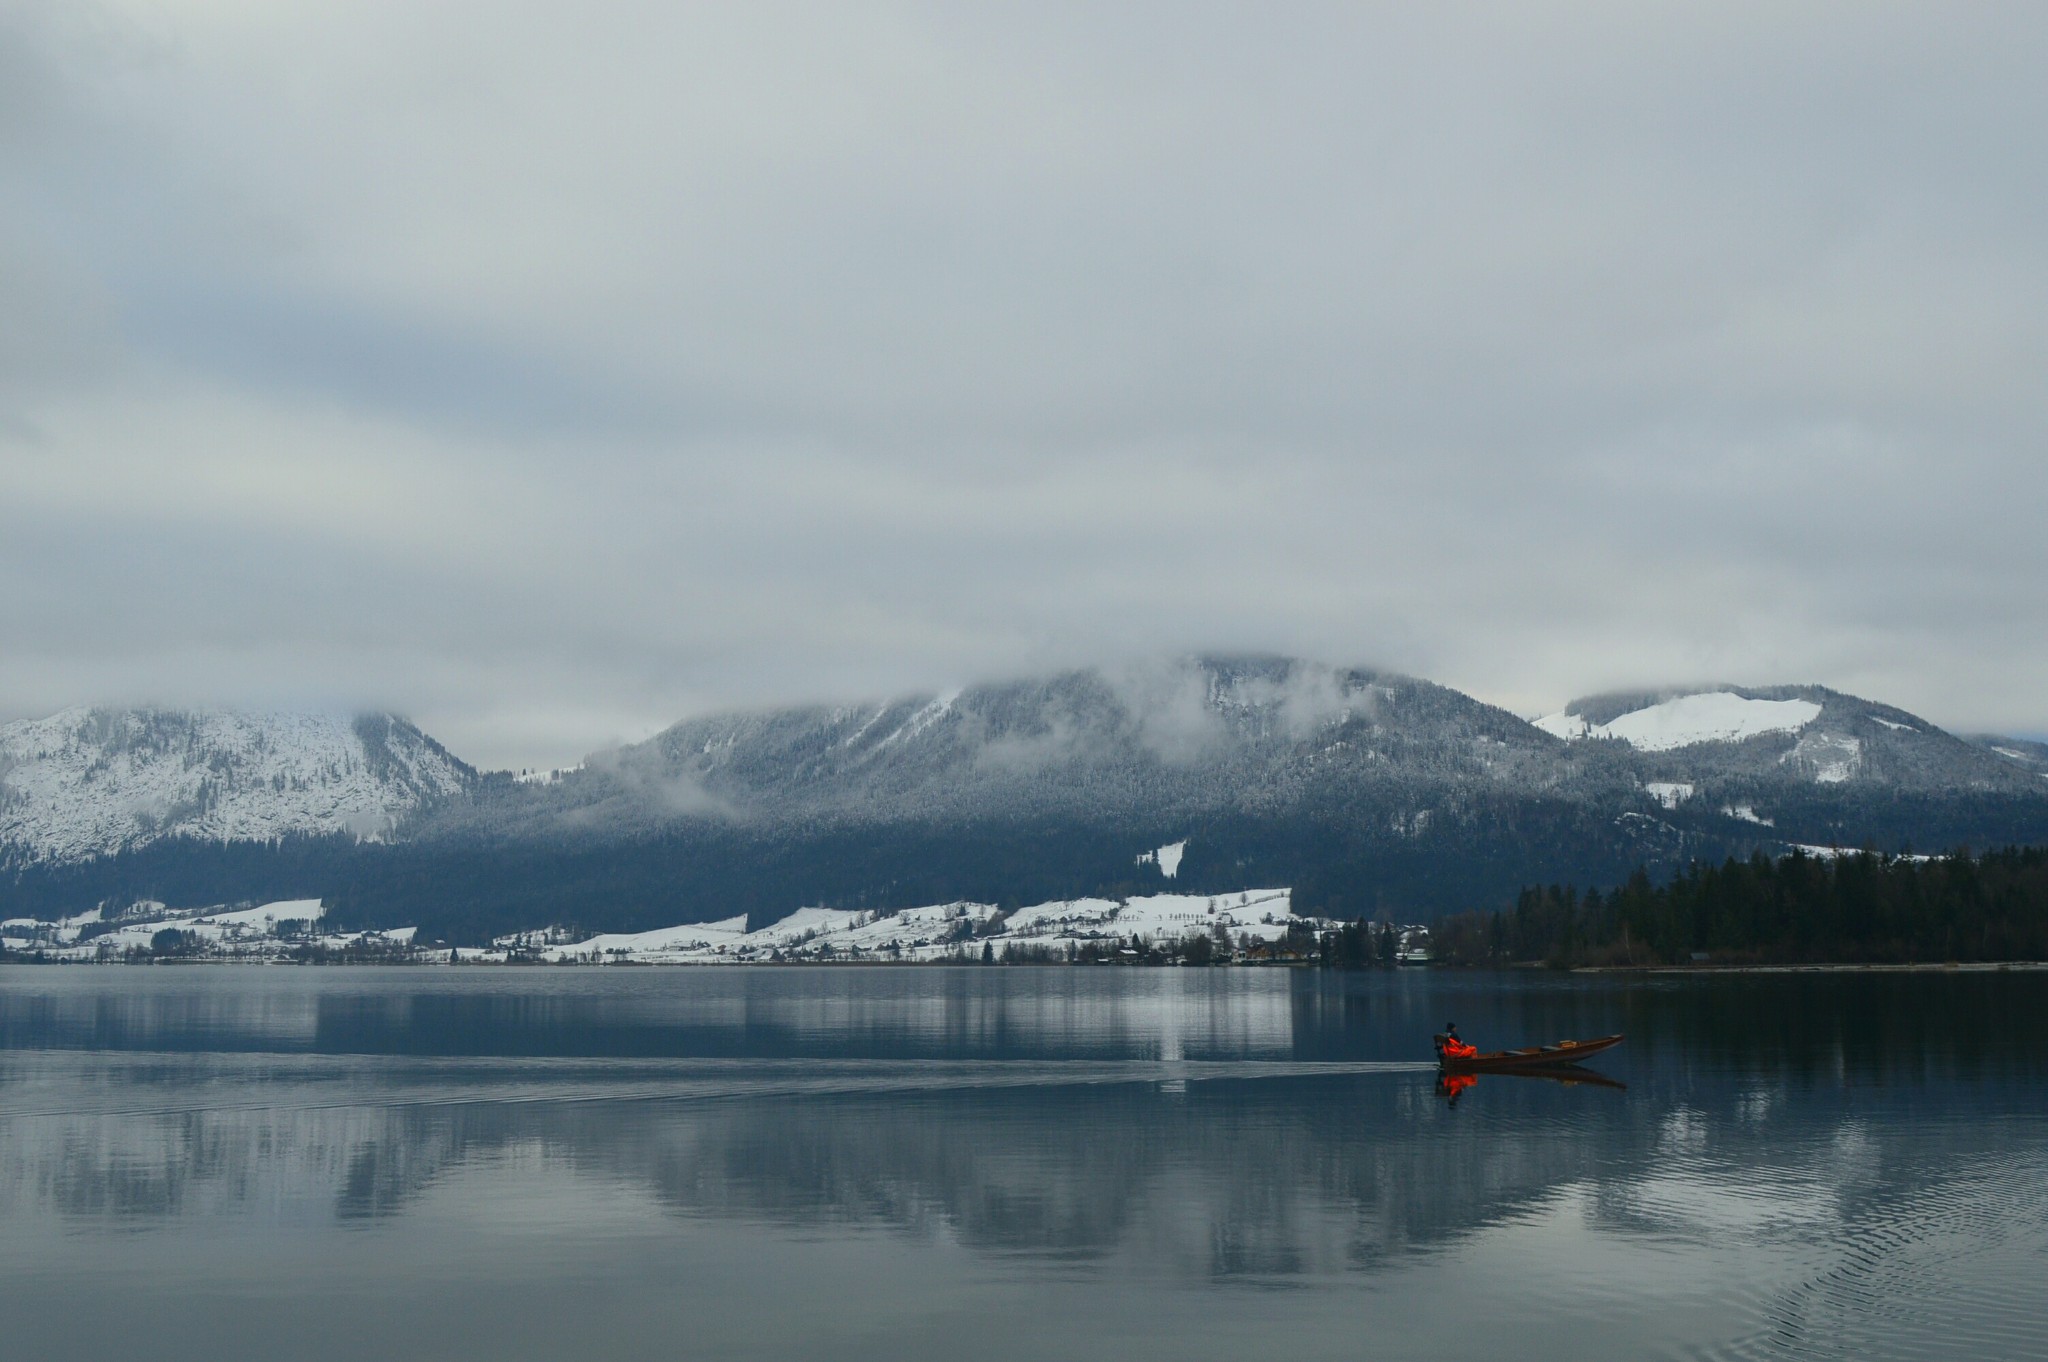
{"x": 1236, "y": 1177}
{"x": 1223, "y": 1125}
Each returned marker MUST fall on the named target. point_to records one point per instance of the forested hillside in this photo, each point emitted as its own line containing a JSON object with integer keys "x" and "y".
{"x": 1790, "y": 910}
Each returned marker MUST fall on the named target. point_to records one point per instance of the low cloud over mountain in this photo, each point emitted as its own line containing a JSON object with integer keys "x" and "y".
{"x": 1363, "y": 790}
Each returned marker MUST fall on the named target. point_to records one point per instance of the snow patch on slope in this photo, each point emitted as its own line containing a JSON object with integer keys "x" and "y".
{"x": 1167, "y": 858}
{"x": 268, "y": 915}
{"x": 922, "y": 721}
{"x": 1714, "y": 716}
{"x": 1831, "y": 759}
{"x": 1566, "y": 726}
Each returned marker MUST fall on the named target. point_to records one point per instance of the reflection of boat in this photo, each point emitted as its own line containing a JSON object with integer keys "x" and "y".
{"x": 1563, "y": 1054}
{"x": 1567, "y": 1073}
{"x": 1452, "y": 1083}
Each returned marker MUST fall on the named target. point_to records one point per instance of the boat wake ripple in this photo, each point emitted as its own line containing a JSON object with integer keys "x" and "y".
{"x": 57, "y": 1083}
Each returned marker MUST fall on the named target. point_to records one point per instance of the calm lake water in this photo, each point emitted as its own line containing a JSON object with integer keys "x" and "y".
{"x": 1013, "y": 1163}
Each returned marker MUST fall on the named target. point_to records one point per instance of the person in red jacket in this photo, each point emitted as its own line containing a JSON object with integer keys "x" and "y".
{"x": 1454, "y": 1047}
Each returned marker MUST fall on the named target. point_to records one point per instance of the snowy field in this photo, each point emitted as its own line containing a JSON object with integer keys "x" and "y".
{"x": 935, "y": 931}
{"x": 268, "y": 932}
{"x": 276, "y": 931}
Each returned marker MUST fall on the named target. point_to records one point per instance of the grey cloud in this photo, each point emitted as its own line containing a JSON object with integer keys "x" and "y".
{"x": 1025, "y": 753}
{"x": 1170, "y": 705}
{"x": 1309, "y": 698}
{"x": 552, "y": 375}
{"x": 647, "y": 783}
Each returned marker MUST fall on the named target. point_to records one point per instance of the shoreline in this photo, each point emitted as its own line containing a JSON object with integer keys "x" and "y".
{"x": 1944, "y": 967}
{"x": 1681, "y": 971}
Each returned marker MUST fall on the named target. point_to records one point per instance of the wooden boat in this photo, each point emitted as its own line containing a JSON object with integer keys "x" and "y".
{"x": 1565, "y": 1052}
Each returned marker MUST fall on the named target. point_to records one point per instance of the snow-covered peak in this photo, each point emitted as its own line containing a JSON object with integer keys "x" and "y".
{"x": 1711, "y": 716}
{"x": 87, "y": 782}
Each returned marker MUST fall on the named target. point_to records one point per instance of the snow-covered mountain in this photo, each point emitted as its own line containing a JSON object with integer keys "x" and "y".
{"x": 1177, "y": 740}
{"x": 1792, "y": 736}
{"x": 1267, "y": 738}
{"x": 1163, "y": 746}
{"x": 89, "y": 782}
{"x": 1365, "y": 792}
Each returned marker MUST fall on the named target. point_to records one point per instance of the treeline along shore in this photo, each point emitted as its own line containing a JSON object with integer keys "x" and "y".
{"x": 1795, "y": 909}
{"x": 1798, "y": 909}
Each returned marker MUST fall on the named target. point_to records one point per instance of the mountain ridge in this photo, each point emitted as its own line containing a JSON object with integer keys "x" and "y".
{"x": 1365, "y": 790}
{"x": 1187, "y": 739}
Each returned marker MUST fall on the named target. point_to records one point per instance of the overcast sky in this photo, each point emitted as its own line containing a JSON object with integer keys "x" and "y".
{"x": 550, "y": 372}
